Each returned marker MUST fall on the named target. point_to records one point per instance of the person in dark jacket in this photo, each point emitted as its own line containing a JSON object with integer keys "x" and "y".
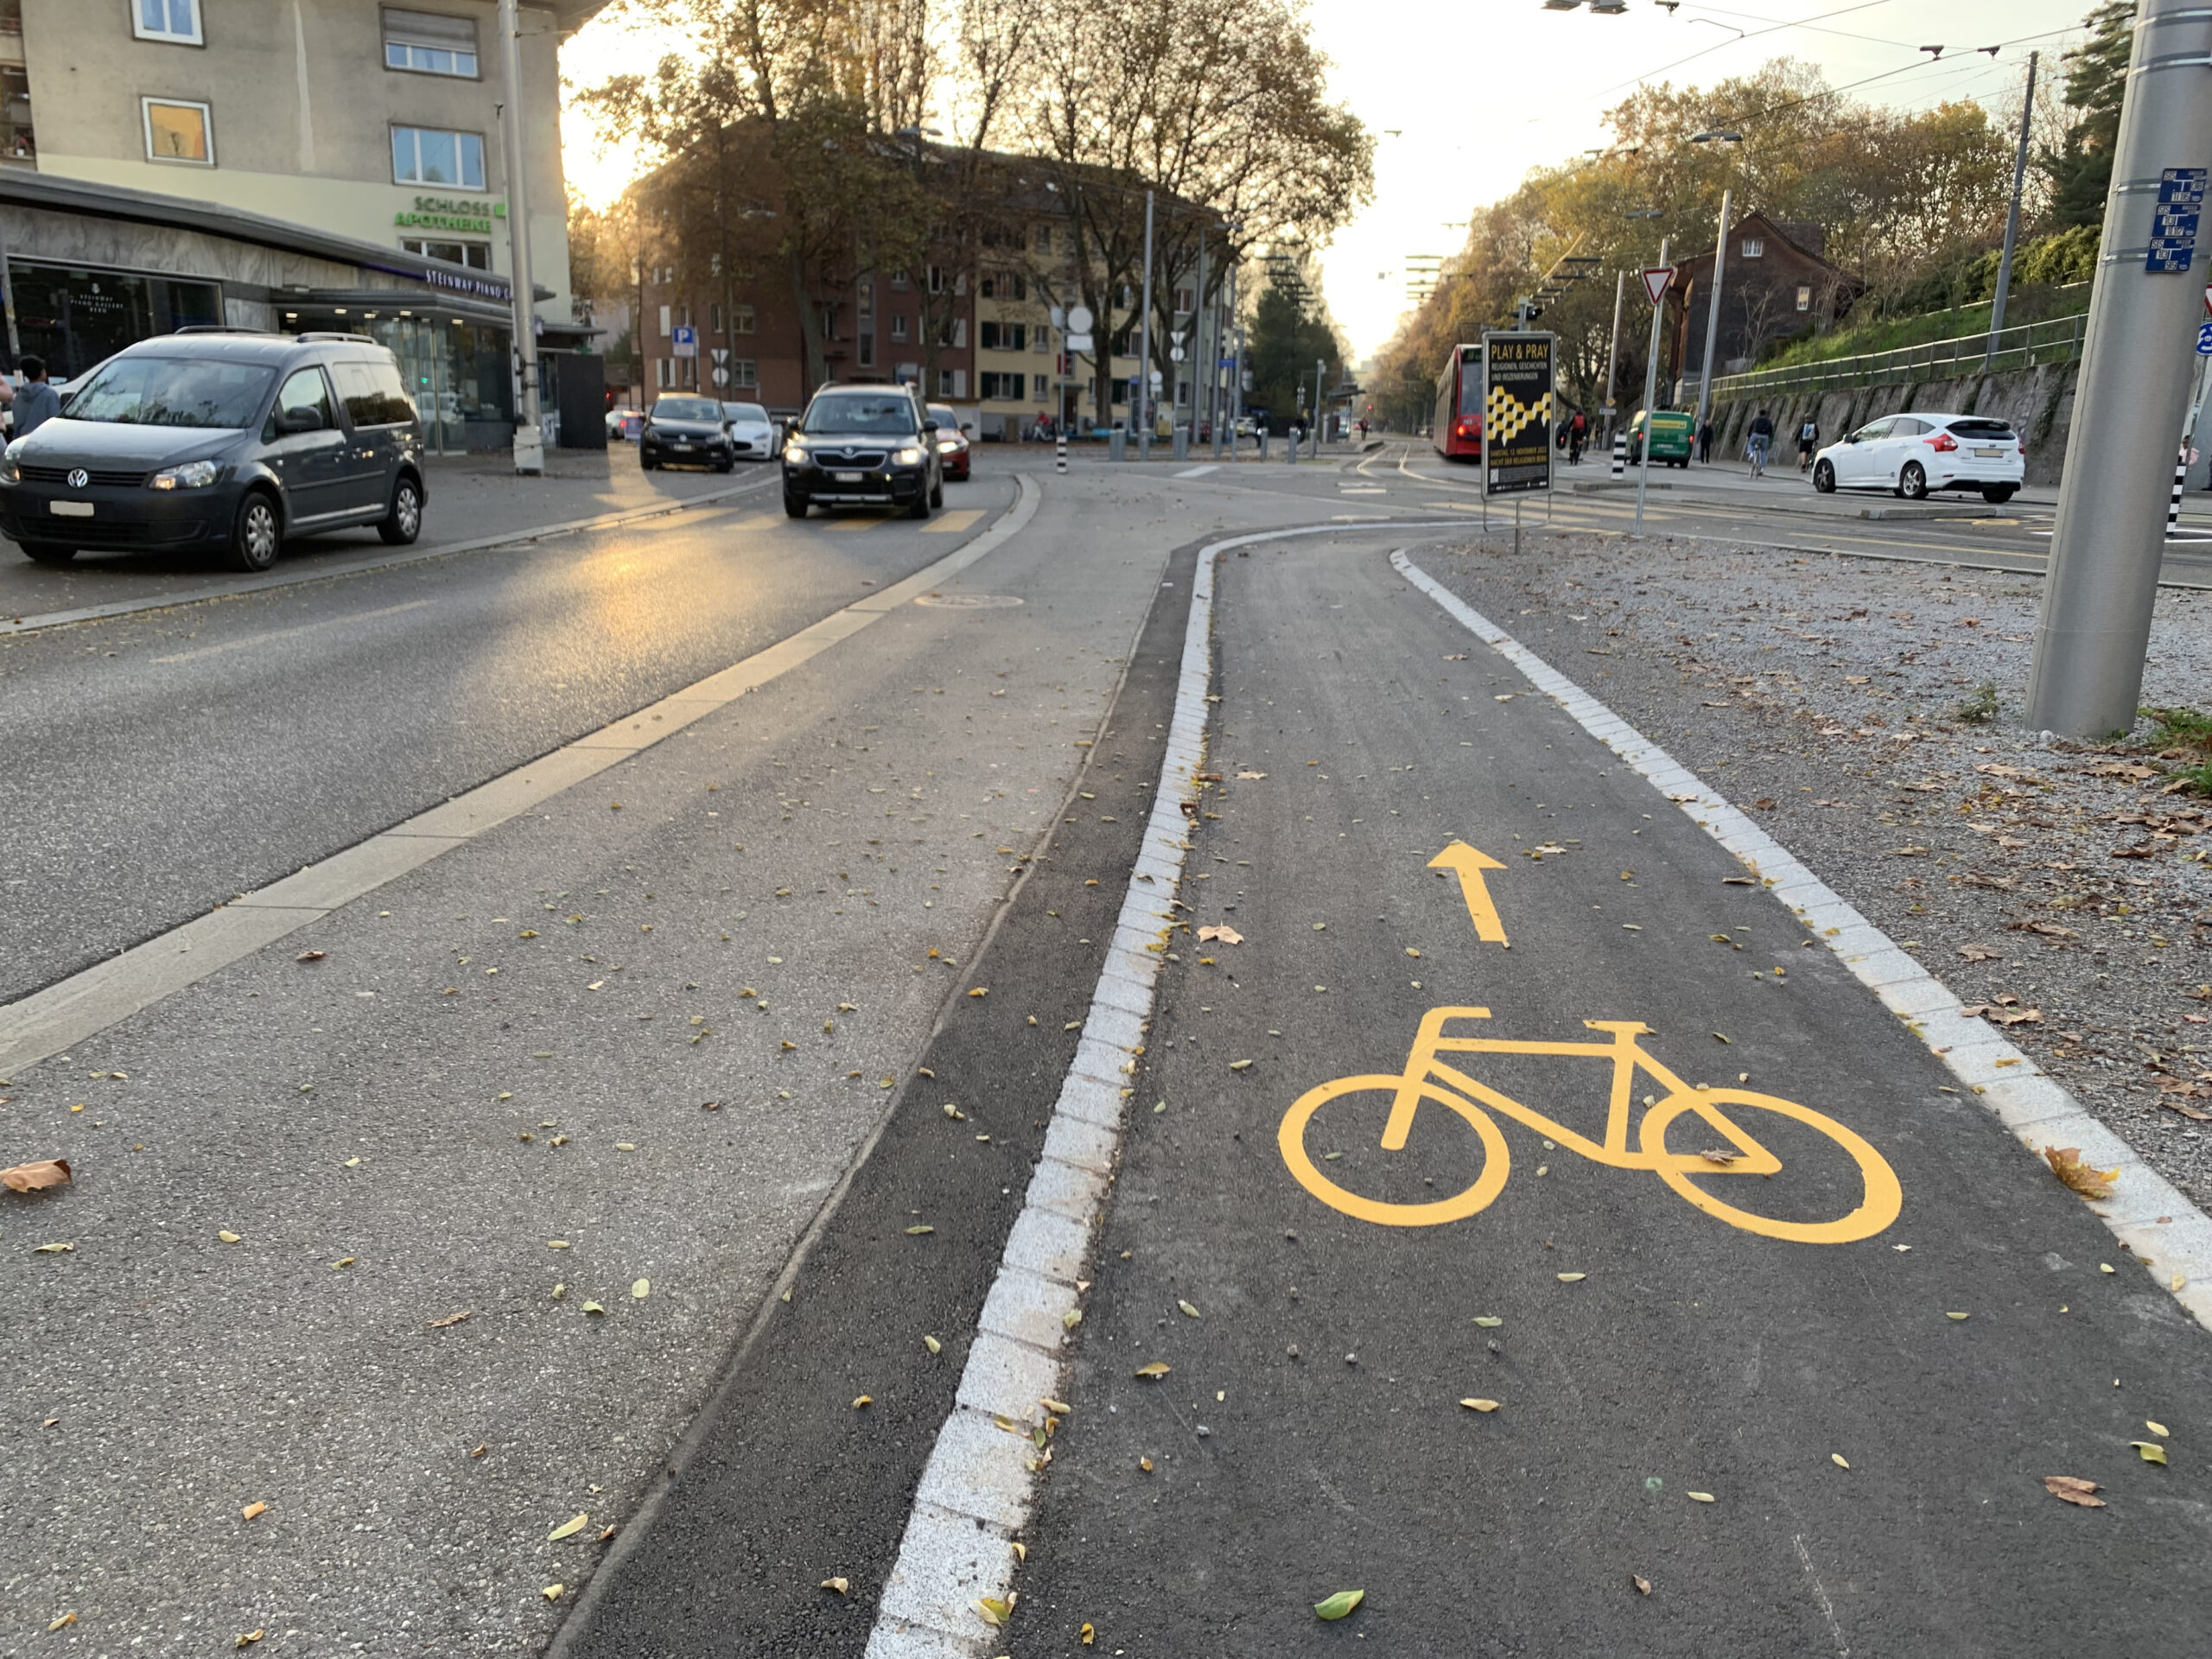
{"x": 1705, "y": 443}
{"x": 1762, "y": 439}
{"x": 37, "y": 403}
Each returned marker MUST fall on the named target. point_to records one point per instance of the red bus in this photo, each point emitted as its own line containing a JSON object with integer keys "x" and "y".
{"x": 1456, "y": 429}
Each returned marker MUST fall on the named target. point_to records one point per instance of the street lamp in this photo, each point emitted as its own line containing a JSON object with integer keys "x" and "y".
{"x": 1712, "y": 303}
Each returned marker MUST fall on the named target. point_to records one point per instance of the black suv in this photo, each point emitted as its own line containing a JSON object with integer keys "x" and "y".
{"x": 223, "y": 440}
{"x": 686, "y": 432}
{"x": 863, "y": 447}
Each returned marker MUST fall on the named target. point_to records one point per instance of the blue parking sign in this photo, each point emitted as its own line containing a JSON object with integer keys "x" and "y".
{"x": 2204, "y": 339}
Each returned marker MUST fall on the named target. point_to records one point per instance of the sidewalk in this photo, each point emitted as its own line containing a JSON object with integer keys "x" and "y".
{"x": 470, "y": 497}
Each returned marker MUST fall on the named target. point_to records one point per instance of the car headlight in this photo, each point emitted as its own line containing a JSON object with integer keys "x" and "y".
{"x": 908, "y": 457}
{"x": 192, "y": 475}
{"x": 795, "y": 451}
{"x": 10, "y": 473}
{"x": 946, "y": 446}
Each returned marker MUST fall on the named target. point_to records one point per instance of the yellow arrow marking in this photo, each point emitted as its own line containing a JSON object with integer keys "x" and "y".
{"x": 1469, "y": 865}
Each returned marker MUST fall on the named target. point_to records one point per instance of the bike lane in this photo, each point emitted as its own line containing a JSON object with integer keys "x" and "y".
{"x": 1778, "y": 1368}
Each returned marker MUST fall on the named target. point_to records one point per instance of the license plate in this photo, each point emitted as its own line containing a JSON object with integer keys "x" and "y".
{"x": 70, "y": 509}
{"x": 1989, "y": 454}
{"x": 683, "y": 447}
{"x": 848, "y": 478}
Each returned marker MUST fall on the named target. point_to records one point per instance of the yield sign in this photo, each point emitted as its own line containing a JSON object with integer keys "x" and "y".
{"x": 1656, "y": 279}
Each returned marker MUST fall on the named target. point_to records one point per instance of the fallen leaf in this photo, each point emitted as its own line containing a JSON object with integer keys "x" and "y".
{"x": 1086, "y": 1632}
{"x": 1980, "y": 953}
{"x": 1480, "y": 1405}
{"x": 480, "y": 1451}
{"x": 568, "y": 1529}
{"x": 61, "y": 1623}
{"x": 51, "y": 1249}
{"x": 252, "y": 1510}
{"x": 1144, "y": 1464}
{"x": 1488, "y": 1321}
{"x": 932, "y": 1344}
{"x": 1720, "y": 1154}
{"x": 33, "y": 1178}
{"x": 641, "y": 1289}
{"x": 841, "y": 1586}
{"x": 2066, "y": 1164}
{"x": 1155, "y": 1369}
{"x": 552, "y": 1592}
{"x": 593, "y": 1307}
{"x": 309, "y": 955}
{"x": 1226, "y": 934}
{"x": 2071, "y": 1488}
{"x": 1188, "y": 1309}
{"x": 227, "y": 1236}
{"x": 1955, "y": 1316}
{"x": 916, "y": 1232}
{"x": 2149, "y": 1451}
{"x": 1239, "y": 1065}
{"x": 1572, "y": 1278}
{"x": 1340, "y": 1603}
{"x": 247, "y": 1639}
{"x": 995, "y": 1611}
{"x": 450, "y": 1320}
{"x": 343, "y": 1262}
{"x": 1836, "y": 1458}
{"x": 864, "y": 1400}
{"x": 1642, "y": 1585}
{"x": 2159, "y": 1429}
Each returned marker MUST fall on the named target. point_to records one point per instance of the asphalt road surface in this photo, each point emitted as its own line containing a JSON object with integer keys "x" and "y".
{"x": 640, "y": 1230}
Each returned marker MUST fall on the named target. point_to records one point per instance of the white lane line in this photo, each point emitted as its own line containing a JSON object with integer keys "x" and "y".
{"x": 1199, "y": 472}
{"x": 47, "y": 1021}
{"x": 289, "y": 633}
{"x": 2148, "y": 1214}
{"x": 293, "y": 578}
{"x": 981, "y": 1482}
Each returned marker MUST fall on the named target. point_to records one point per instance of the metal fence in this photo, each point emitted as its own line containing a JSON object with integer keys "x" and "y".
{"x": 2030, "y": 345}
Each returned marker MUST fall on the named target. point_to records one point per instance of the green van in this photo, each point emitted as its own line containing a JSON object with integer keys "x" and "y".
{"x": 1672, "y": 433}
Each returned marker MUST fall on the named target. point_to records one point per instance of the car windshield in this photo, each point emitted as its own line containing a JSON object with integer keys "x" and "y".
{"x": 751, "y": 414}
{"x": 687, "y": 409}
{"x": 944, "y": 417}
{"x": 172, "y": 391}
{"x": 882, "y": 417}
{"x": 1983, "y": 429}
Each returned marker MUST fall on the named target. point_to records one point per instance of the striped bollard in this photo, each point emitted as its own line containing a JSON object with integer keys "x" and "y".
{"x": 1059, "y": 452}
{"x": 2181, "y": 473}
{"x": 1620, "y": 454}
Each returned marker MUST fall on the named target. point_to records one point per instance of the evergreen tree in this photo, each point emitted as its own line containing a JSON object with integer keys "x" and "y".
{"x": 1284, "y": 343}
{"x": 2097, "y": 79}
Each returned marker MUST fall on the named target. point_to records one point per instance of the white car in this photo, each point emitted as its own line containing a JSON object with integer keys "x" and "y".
{"x": 1911, "y": 454}
{"x": 753, "y": 435}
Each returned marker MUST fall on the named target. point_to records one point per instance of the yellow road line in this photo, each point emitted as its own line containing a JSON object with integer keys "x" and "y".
{"x": 853, "y": 523}
{"x": 952, "y": 523}
{"x": 766, "y": 521}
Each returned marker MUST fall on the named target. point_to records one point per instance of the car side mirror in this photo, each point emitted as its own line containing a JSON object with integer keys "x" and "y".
{"x": 929, "y": 426}
{"x": 967, "y": 426}
{"x": 300, "y": 420}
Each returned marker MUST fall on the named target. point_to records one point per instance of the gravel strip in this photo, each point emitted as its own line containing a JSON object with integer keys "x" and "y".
{"x": 2063, "y": 886}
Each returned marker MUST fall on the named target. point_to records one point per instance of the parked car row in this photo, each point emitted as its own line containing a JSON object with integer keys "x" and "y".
{"x": 696, "y": 431}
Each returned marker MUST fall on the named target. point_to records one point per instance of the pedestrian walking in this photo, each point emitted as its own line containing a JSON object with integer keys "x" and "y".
{"x": 1762, "y": 439}
{"x": 1705, "y": 442}
{"x": 1808, "y": 439}
{"x": 37, "y": 403}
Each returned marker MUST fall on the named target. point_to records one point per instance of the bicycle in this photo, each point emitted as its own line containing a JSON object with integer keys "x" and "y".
{"x": 1427, "y": 1077}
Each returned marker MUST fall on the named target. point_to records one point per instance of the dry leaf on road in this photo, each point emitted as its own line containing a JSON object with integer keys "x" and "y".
{"x": 840, "y": 1585}
{"x": 1338, "y": 1604}
{"x": 2066, "y": 1164}
{"x": 35, "y": 1177}
{"x": 252, "y": 1510}
{"x": 2071, "y": 1489}
{"x": 1226, "y": 934}
{"x": 450, "y": 1321}
{"x": 1642, "y": 1585}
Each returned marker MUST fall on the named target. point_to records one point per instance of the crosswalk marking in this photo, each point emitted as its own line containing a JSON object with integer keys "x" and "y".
{"x": 852, "y": 522}
{"x": 952, "y": 523}
{"x": 765, "y": 521}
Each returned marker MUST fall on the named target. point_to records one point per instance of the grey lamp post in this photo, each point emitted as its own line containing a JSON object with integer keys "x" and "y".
{"x": 1712, "y": 305}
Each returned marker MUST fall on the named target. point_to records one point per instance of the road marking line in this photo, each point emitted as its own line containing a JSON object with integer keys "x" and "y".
{"x": 378, "y": 562}
{"x": 43, "y": 1024}
{"x": 1199, "y": 472}
{"x": 765, "y": 521}
{"x": 2037, "y": 1109}
{"x": 287, "y": 633}
{"x": 977, "y": 1488}
{"x": 853, "y": 523}
{"x": 947, "y": 523}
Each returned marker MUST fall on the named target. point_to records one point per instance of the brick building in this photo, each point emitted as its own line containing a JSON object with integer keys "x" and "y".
{"x": 1775, "y": 286}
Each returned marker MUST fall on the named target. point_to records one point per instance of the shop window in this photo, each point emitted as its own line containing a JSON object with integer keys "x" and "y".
{"x": 179, "y": 131}
{"x": 477, "y": 256}
{"x": 175, "y": 21}
{"x": 421, "y": 42}
{"x": 432, "y": 156}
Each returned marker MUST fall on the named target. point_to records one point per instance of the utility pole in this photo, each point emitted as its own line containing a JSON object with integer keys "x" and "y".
{"x": 2011, "y": 216}
{"x": 1142, "y": 394}
{"x": 1320, "y": 368}
{"x": 1613, "y": 353}
{"x": 2132, "y": 388}
{"x": 1197, "y": 325}
{"x": 529, "y": 436}
{"x": 1236, "y": 365}
{"x": 1712, "y": 326}
{"x": 1650, "y": 392}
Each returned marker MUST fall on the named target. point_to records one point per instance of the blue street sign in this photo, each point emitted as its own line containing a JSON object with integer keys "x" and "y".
{"x": 2204, "y": 339}
{"x": 2174, "y": 220}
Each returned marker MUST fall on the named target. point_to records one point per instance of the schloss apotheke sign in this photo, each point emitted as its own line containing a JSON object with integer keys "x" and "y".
{"x": 445, "y": 214}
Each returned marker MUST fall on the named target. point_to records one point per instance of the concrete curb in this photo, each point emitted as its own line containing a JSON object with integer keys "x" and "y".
{"x": 2161, "y": 1229}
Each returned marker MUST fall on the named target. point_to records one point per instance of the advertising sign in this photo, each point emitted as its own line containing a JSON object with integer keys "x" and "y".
{"x": 1516, "y": 412}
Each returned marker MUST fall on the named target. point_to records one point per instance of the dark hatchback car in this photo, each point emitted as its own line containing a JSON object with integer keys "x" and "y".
{"x": 863, "y": 447}
{"x": 686, "y": 432}
{"x": 223, "y": 441}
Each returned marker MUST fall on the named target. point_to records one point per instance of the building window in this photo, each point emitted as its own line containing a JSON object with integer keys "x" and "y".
{"x": 1804, "y": 296}
{"x": 744, "y": 372}
{"x": 952, "y": 382}
{"x": 1754, "y": 247}
{"x": 667, "y": 322}
{"x": 423, "y": 42}
{"x": 1044, "y": 238}
{"x": 867, "y": 349}
{"x": 868, "y": 302}
{"x": 1003, "y": 336}
{"x": 175, "y": 21}
{"x": 1186, "y": 301}
{"x": 899, "y": 328}
{"x": 477, "y": 256}
{"x": 953, "y": 332}
{"x": 714, "y": 317}
{"x": 179, "y": 131}
{"x": 741, "y": 320}
{"x": 937, "y": 279}
{"x": 428, "y": 155}
{"x": 1044, "y": 385}
{"x": 898, "y": 280}
{"x": 664, "y": 373}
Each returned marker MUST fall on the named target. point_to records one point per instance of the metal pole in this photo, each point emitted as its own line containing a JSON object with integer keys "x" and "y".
{"x": 1320, "y": 368}
{"x": 1650, "y": 392}
{"x": 2011, "y": 216}
{"x": 2129, "y": 398}
{"x": 1197, "y": 325}
{"x": 1712, "y": 326}
{"x": 530, "y": 437}
{"x": 1143, "y": 395}
{"x": 1613, "y": 354}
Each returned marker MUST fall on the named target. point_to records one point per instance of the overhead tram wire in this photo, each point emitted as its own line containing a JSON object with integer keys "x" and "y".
{"x": 1638, "y": 80}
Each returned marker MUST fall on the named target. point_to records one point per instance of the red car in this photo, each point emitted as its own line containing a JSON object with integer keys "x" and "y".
{"x": 951, "y": 442}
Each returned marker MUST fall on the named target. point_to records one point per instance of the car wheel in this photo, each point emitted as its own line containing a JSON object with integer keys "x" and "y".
{"x": 725, "y": 466}
{"x": 404, "y": 523}
{"x": 1997, "y": 494}
{"x": 647, "y": 463}
{"x": 1912, "y": 482}
{"x": 795, "y": 506}
{"x": 257, "y": 535}
{"x": 47, "y": 553}
{"x": 921, "y": 507}
{"x": 1824, "y": 478}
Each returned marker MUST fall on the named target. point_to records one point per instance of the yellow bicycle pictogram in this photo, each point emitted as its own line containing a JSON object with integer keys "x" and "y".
{"x": 1739, "y": 1155}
